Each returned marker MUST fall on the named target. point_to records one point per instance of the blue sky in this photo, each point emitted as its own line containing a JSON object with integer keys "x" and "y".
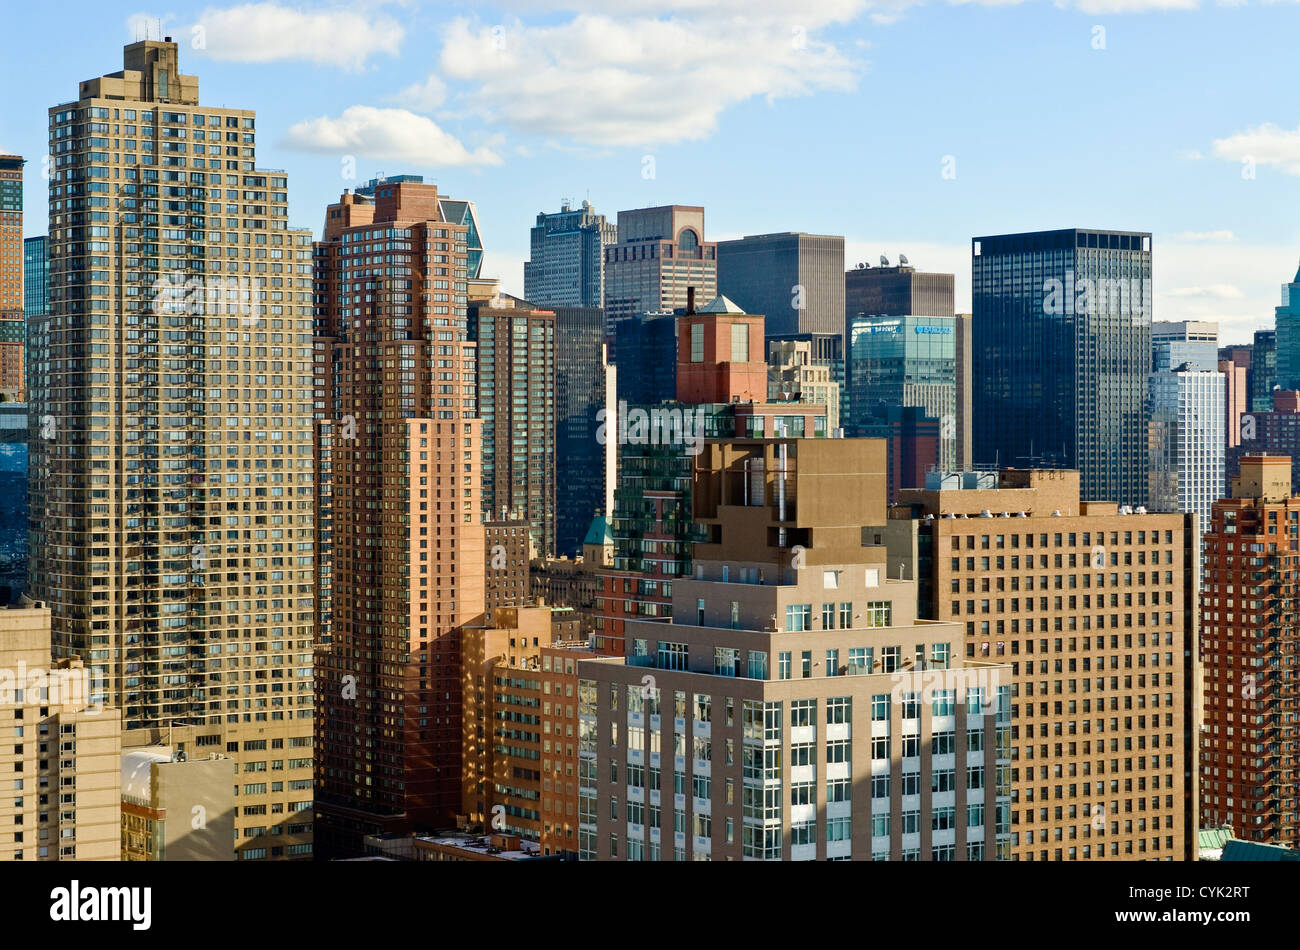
{"x": 831, "y": 116}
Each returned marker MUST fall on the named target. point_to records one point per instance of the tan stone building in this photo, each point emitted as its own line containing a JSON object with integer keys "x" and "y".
{"x": 793, "y": 376}
{"x": 172, "y": 475}
{"x": 1093, "y": 606}
{"x": 61, "y": 748}
{"x": 795, "y": 708}
{"x": 177, "y": 808}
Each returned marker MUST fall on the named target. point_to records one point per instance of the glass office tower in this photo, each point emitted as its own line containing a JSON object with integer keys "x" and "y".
{"x": 1062, "y": 353}
{"x": 897, "y": 362}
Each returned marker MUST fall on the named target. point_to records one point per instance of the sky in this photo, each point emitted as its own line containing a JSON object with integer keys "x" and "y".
{"x": 907, "y": 127}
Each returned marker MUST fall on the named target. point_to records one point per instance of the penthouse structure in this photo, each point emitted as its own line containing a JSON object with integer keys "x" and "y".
{"x": 795, "y": 708}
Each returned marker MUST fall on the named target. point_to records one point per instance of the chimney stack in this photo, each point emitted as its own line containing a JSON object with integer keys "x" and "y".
{"x": 690, "y": 300}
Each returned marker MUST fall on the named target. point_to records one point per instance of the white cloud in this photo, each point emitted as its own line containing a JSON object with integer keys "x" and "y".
{"x": 1265, "y": 144}
{"x": 386, "y": 133}
{"x": 1210, "y": 291}
{"x": 1207, "y": 236}
{"x": 642, "y": 81}
{"x": 1131, "y": 6}
{"x": 343, "y": 37}
{"x": 424, "y": 96}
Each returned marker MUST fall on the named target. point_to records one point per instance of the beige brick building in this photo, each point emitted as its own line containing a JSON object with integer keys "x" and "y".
{"x": 171, "y": 471}
{"x": 61, "y": 749}
{"x": 1094, "y": 608}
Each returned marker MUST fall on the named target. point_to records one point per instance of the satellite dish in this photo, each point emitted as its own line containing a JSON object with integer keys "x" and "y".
{"x": 902, "y": 258}
{"x": 884, "y": 261}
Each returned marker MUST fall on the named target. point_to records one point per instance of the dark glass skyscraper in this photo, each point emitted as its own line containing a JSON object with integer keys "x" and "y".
{"x": 36, "y": 277}
{"x": 1061, "y": 354}
{"x": 1287, "y": 339}
{"x": 1263, "y": 370}
{"x": 582, "y": 384}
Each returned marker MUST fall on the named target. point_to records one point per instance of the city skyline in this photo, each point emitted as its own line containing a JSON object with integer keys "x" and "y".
{"x": 457, "y": 124}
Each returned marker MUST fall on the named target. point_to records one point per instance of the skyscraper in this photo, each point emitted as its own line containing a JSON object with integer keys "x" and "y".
{"x": 661, "y": 252}
{"x": 1062, "y": 354}
{"x": 585, "y": 383}
{"x": 904, "y": 362}
{"x": 1249, "y": 747}
{"x": 1194, "y": 342}
{"x": 1095, "y": 610}
{"x": 403, "y": 445}
{"x": 171, "y": 465}
{"x": 1263, "y": 370}
{"x": 1188, "y": 441}
{"x": 566, "y": 258}
{"x": 36, "y": 277}
{"x": 897, "y": 291}
{"x": 1287, "y": 317}
{"x": 795, "y": 280}
{"x": 516, "y": 402}
{"x": 1188, "y": 418}
{"x": 13, "y": 335}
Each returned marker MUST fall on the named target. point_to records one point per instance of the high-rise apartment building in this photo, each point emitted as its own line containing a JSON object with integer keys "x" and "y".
{"x": 1236, "y": 399}
{"x": 1062, "y": 354}
{"x": 508, "y": 547}
{"x": 660, "y": 253}
{"x": 1250, "y": 750}
{"x": 1095, "y": 610}
{"x": 408, "y": 540}
{"x": 13, "y": 332}
{"x": 585, "y": 383}
{"x": 795, "y": 709}
{"x": 453, "y": 211}
{"x": 1263, "y": 370}
{"x": 1188, "y": 441}
{"x": 795, "y": 280}
{"x": 1276, "y": 432}
{"x": 62, "y": 766}
{"x": 521, "y": 735}
{"x": 516, "y": 402}
{"x": 566, "y": 260}
{"x": 171, "y": 472}
{"x": 1287, "y": 324}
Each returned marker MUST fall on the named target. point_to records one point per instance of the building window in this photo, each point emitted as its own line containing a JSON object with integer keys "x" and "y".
{"x": 697, "y": 343}
{"x": 740, "y": 343}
